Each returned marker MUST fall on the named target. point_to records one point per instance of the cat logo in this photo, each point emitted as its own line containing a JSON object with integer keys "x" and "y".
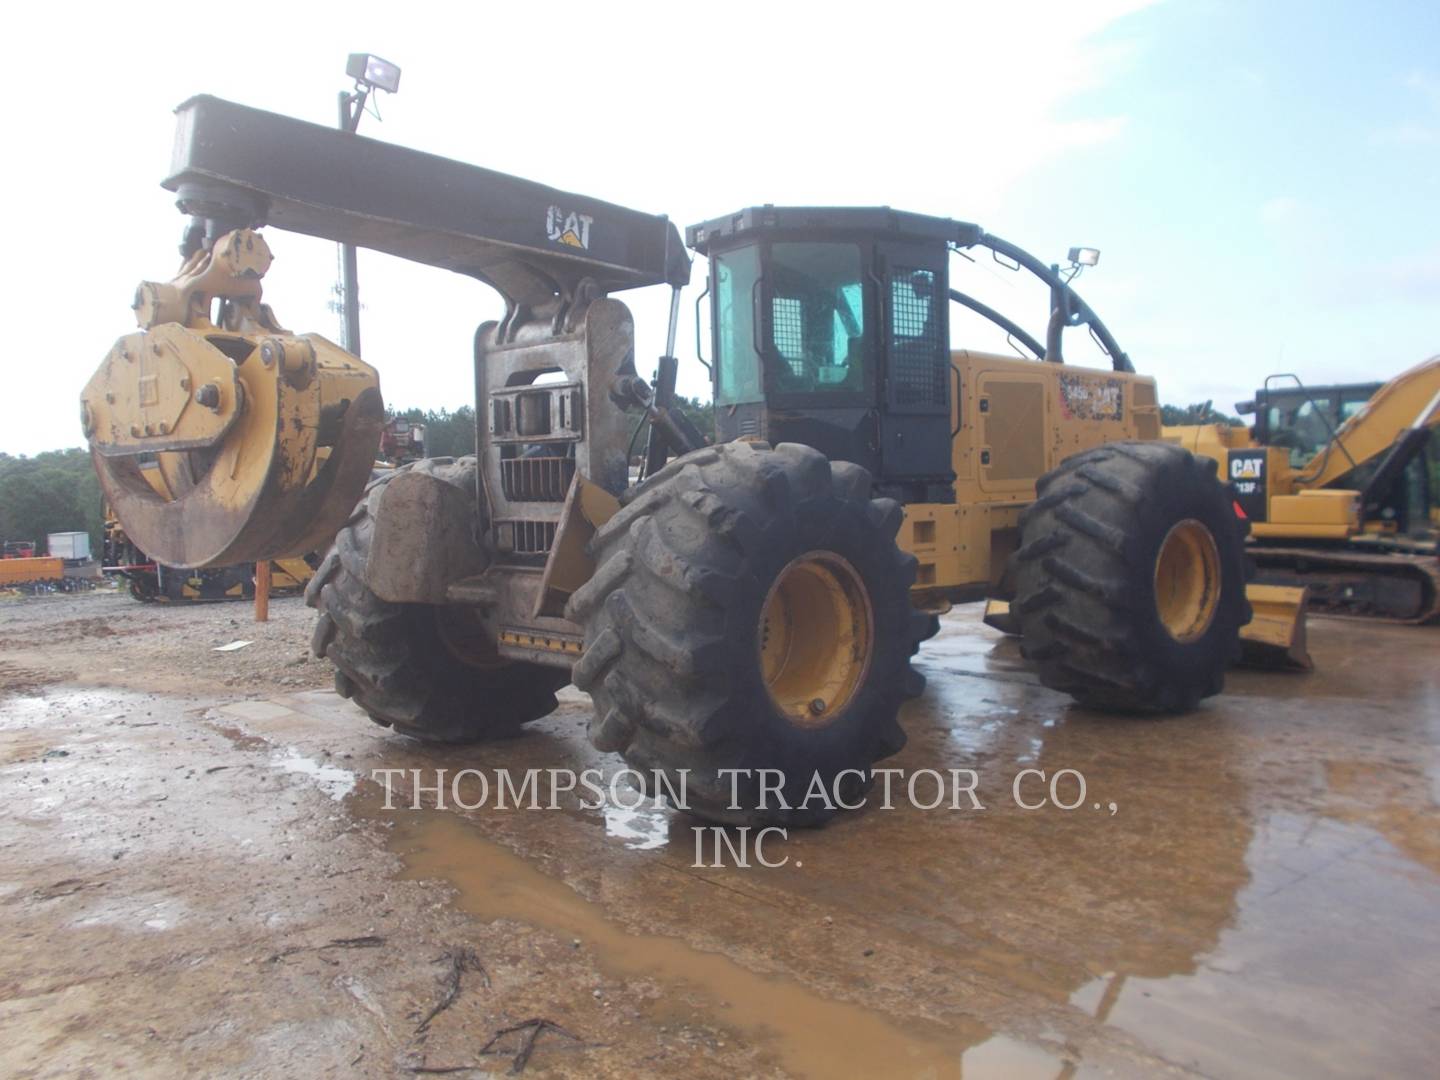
{"x": 1247, "y": 468}
{"x": 572, "y": 230}
{"x": 1247, "y": 473}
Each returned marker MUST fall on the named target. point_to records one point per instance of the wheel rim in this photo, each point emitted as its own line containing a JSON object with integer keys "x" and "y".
{"x": 816, "y": 638}
{"x": 1187, "y": 580}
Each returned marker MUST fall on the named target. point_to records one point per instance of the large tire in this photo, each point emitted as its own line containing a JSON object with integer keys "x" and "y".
{"x": 395, "y": 661}
{"x": 673, "y": 630}
{"x": 1102, "y": 615}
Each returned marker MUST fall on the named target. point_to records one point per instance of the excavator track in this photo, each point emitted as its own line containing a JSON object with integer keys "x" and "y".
{"x": 1396, "y": 587}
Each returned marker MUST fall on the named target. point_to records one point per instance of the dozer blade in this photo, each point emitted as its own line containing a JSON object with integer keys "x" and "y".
{"x": 998, "y": 617}
{"x": 229, "y": 443}
{"x": 1275, "y": 637}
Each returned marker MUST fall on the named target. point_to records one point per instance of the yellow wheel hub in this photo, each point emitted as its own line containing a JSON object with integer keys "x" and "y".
{"x": 1187, "y": 580}
{"x": 816, "y": 638}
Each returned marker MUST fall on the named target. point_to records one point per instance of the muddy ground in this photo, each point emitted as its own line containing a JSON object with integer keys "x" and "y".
{"x": 198, "y": 876}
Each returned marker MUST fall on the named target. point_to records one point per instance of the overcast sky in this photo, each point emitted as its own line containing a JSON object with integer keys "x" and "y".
{"x": 1260, "y": 177}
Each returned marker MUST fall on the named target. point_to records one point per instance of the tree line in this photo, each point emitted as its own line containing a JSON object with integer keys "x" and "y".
{"x": 452, "y": 434}
{"x": 54, "y": 491}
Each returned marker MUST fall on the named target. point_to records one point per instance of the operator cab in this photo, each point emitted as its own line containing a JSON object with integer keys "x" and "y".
{"x": 1304, "y": 419}
{"x": 830, "y": 327}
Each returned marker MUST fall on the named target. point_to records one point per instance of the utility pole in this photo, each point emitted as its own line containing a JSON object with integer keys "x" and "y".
{"x": 370, "y": 73}
{"x": 352, "y": 105}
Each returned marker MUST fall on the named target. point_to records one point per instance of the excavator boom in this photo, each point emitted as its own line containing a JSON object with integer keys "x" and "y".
{"x": 1408, "y": 403}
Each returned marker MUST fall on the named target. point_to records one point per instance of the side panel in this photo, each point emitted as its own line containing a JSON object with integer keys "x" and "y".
{"x": 1013, "y": 415}
{"x": 1014, "y": 421}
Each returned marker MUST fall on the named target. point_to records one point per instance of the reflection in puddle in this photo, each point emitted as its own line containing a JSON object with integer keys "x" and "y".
{"x": 640, "y": 829}
{"x": 334, "y": 781}
{"x": 1309, "y": 966}
{"x": 812, "y": 1035}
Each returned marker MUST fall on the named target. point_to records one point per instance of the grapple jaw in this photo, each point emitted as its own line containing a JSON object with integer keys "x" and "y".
{"x": 231, "y": 440}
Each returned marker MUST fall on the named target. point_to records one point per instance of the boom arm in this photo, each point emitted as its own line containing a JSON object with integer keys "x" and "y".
{"x": 1408, "y": 403}
{"x": 235, "y": 166}
{"x": 263, "y": 438}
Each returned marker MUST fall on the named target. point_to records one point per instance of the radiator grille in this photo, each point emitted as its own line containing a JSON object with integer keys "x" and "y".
{"x": 536, "y": 479}
{"x": 531, "y": 537}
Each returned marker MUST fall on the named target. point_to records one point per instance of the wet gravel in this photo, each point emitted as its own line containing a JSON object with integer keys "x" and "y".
{"x": 105, "y": 637}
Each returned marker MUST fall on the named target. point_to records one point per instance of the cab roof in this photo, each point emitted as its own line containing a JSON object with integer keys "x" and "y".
{"x": 878, "y": 221}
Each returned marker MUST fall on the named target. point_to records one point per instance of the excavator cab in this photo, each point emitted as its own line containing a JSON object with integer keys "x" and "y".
{"x": 1303, "y": 419}
{"x": 830, "y": 327}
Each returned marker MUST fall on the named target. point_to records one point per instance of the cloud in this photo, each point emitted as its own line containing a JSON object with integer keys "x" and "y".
{"x": 1092, "y": 132}
{"x": 815, "y": 110}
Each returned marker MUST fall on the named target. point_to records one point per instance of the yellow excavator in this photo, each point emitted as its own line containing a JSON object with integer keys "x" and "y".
{"x": 1339, "y": 484}
{"x": 740, "y": 611}
{"x": 153, "y": 582}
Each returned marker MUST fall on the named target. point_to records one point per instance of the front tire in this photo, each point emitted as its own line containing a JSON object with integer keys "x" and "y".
{"x": 1130, "y": 578}
{"x": 426, "y": 670}
{"x": 750, "y": 610}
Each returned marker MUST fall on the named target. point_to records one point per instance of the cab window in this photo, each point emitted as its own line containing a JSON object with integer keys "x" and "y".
{"x": 817, "y": 318}
{"x": 1302, "y": 427}
{"x": 737, "y": 366}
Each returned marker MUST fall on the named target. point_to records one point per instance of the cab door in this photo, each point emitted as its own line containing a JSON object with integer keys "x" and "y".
{"x": 915, "y": 344}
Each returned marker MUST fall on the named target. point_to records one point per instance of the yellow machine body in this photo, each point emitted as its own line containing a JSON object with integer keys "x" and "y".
{"x": 1303, "y": 502}
{"x": 23, "y": 571}
{"x": 1014, "y": 421}
{"x": 1307, "y": 526}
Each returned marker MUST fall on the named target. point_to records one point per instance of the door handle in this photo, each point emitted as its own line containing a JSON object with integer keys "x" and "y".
{"x": 959, "y": 418}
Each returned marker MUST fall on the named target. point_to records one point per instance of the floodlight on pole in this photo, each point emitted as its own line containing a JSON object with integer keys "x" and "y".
{"x": 370, "y": 73}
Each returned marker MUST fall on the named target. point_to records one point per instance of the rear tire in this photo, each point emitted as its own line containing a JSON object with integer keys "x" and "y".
{"x": 736, "y": 584}
{"x": 402, "y": 663}
{"x": 1130, "y": 578}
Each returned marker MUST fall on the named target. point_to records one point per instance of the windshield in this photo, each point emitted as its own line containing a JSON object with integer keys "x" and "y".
{"x": 1302, "y": 428}
{"x": 1304, "y": 422}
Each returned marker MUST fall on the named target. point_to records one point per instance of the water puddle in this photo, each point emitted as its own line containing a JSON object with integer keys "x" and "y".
{"x": 810, "y": 1034}
{"x": 639, "y": 829}
{"x": 334, "y": 781}
{"x": 1308, "y": 972}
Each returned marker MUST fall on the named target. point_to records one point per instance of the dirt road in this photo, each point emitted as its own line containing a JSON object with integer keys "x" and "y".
{"x": 198, "y": 875}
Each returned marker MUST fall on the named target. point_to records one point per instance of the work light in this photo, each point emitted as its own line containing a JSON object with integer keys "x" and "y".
{"x": 373, "y": 72}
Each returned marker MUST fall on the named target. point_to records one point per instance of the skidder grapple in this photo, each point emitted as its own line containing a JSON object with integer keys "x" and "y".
{"x": 751, "y": 603}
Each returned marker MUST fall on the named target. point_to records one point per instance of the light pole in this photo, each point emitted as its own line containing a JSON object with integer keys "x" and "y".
{"x": 370, "y": 73}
